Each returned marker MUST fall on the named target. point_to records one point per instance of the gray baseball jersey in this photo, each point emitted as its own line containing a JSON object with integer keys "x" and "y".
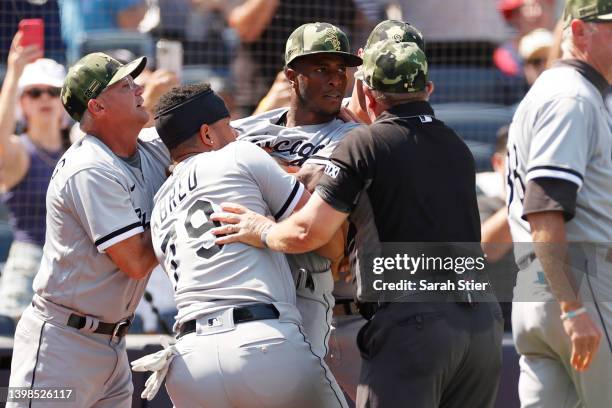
{"x": 563, "y": 132}
{"x": 95, "y": 200}
{"x": 295, "y": 145}
{"x": 208, "y": 278}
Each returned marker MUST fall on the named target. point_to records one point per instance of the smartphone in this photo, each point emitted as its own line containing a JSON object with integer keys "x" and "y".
{"x": 170, "y": 56}
{"x": 33, "y": 32}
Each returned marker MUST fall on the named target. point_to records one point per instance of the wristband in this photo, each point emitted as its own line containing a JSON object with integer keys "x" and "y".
{"x": 264, "y": 236}
{"x": 573, "y": 313}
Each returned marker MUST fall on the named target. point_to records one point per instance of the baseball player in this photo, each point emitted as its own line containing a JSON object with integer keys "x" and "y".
{"x": 559, "y": 178}
{"x": 98, "y": 254}
{"x": 317, "y": 56}
{"x": 240, "y": 341}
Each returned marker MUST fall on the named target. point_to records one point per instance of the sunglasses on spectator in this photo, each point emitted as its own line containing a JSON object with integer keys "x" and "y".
{"x": 36, "y": 93}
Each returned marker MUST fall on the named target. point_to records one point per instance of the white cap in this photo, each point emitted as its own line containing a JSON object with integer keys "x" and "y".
{"x": 43, "y": 71}
{"x": 536, "y": 40}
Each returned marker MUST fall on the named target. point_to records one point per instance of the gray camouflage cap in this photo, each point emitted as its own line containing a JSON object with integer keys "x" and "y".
{"x": 90, "y": 76}
{"x": 393, "y": 67}
{"x": 319, "y": 38}
{"x": 587, "y": 10}
{"x": 395, "y": 30}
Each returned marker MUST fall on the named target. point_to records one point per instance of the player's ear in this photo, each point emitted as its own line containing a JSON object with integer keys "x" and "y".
{"x": 429, "y": 88}
{"x": 205, "y": 135}
{"x": 370, "y": 99}
{"x": 291, "y": 75}
{"x": 94, "y": 107}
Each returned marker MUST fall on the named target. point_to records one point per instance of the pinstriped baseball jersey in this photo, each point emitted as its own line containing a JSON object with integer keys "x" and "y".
{"x": 295, "y": 145}
{"x": 563, "y": 132}
{"x": 94, "y": 201}
{"x": 206, "y": 277}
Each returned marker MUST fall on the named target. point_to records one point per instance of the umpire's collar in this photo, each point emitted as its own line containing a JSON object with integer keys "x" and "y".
{"x": 587, "y": 71}
{"x": 417, "y": 108}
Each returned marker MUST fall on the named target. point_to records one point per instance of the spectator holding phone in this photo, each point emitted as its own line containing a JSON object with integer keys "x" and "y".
{"x": 27, "y": 162}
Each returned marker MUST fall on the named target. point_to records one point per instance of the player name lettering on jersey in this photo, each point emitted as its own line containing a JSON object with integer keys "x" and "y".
{"x": 184, "y": 186}
{"x": 297, "y": 145}
{"x": 287, "y": 149}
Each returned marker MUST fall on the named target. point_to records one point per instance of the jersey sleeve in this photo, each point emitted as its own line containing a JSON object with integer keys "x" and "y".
{"x": 560, "y": 144}
{"x": 103, "y": 206}
{"x": 349, "y": 171}
{"x": 279, "y": 189}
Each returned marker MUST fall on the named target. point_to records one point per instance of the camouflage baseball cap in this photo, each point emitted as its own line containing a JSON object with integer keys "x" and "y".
{"x": 389, "y": 66}
{"x": 90, "y": 76}
{"x": 587, "y": 10}
{"x": 319, "y": 38}
{"x": 395, "y": 30}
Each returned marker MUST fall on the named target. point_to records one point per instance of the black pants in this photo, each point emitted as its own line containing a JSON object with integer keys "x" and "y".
{"x": 429, "y": 355}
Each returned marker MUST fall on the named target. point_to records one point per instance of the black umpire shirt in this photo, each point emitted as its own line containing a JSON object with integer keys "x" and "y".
{"x": 405, "y": 178}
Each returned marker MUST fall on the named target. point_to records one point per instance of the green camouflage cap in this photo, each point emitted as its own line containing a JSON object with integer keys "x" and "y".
{"x": 587, "y": 10}
{"x": 319, "y": 38}
{"x": 393, "y": 67}
{"x": 395, "y": 30}
{"x": 90, "y": 76}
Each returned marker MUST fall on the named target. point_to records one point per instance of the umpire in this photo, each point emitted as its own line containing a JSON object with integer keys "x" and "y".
{"x": 395, "y": 180}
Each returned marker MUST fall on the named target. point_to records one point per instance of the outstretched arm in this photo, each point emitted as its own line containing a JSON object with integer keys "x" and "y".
{"x": 306, "y": 230}
{"x": 251, "y": 18}
{"x": 13, "y": 158}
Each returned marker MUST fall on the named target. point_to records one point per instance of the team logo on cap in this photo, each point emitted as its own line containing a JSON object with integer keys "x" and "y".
{"x": 93, "y": 88}
{"x": 331, "y": 37}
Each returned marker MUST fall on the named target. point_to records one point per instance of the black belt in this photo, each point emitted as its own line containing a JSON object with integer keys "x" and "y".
{"x": 242, "y": 314}
{"x": 119, "y": 329}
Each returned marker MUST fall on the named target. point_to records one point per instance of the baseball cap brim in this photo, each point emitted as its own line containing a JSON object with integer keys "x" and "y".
{"x": 132, "y": 69}
{"x": 605, "y": 17}
{"x": 352, "y": 60}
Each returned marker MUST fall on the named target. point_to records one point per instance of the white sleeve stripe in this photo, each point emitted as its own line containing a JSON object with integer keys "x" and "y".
{"x": 557, "y": 168}
{"x": 292, "y": 201}
{"x": 118, "y": 238}
{"x": 558, "y": 174}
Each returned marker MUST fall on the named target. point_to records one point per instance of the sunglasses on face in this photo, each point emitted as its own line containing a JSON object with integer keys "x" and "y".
{"x": 36, "y": 93}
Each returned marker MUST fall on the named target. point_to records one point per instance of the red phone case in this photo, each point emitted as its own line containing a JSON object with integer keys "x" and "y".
{"x": 33, "y": 30}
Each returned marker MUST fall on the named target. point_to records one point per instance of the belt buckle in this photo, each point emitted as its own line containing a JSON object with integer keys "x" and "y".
{"x": 121, "y": 328}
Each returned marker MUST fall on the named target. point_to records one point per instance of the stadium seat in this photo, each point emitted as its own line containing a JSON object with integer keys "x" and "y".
{"x": 137, "y": 325}
{"x": 168, "y": 318}
{"x": 477, "y": 124}
{"x": 104, "y": 40}
{"x": 7, "y": 326}
{"x": 474, "y": 84}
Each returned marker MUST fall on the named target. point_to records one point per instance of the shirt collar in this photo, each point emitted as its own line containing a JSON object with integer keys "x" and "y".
{"x": 587, "y": 71}
{"x": 408, "y": 109}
